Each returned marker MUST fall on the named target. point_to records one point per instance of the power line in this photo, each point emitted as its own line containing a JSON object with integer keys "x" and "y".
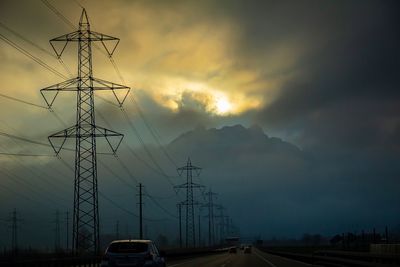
{"x": 119, "y": 74}
{"x": 26, "y": 40}
{"x": 61, "y": 16}
{"x": 129, "y": 148}
{"x": 22, "y": 101}
{"x": 158, "y": 171}
{"x": 25, "y": 155}
{"x": 31, "y": 187}
{"x": 34, "y": 58}
{"x": 161, "y": 207}
{"x": 126, "y": 210}
{"x": 35, "y": 105}
{"x": 37, "y": 46}
{"x": 28, "y": 198}
{"x": 146, "y": 148}
{"x": 69, "y": 23}
{"x": 116, "y": 175}
{"x": 152, "y": 131}
{"x": 37, "y": 172}
{"x": 29, "y": 140}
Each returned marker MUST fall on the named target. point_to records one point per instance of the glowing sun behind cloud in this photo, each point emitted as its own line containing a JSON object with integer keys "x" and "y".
{"x": 223, "y": 106}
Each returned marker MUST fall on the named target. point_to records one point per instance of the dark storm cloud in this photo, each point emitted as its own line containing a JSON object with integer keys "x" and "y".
{"x": 346, "y": 91}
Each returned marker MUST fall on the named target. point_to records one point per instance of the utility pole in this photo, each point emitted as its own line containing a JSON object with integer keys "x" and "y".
{"x": 180, "y": 224}
{"x": 211, "y": 228}
{"x": 189, "y": 202}
{"x": 199, "y": 218}
{"x": 57, "y": 243}
{"x": 85, "y": 233}
{"x": 67, "y": 229}
{"x": 140, "y": 211}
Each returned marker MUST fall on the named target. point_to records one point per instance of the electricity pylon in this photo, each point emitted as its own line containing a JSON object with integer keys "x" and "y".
{"x": 211, "y": 226}
{"x": 14, "y": 230}
{"x": 57, "y": 238}
{"x": 189, "y": 202}
{"x": 86, "y": 214}
{"x": 221, "y": 223}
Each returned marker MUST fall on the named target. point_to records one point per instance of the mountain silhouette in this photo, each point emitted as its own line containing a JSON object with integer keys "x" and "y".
{"x": 232, "y": 142}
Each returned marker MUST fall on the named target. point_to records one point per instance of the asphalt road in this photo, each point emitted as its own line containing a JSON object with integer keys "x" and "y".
{"x": 256, "y": 259}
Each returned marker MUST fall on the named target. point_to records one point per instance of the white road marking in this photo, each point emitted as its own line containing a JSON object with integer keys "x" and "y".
{"x": 300, "y": 262}
{"x": 181, "y": 263}
{"x": 264, "y": 259}
{"x": 177, "y": 264}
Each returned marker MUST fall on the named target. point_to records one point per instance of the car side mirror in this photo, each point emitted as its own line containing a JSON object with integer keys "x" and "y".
{"x": 162, "y": 253}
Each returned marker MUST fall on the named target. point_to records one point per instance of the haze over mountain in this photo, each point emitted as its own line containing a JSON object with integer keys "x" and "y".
{"x": 274, "y": 187}
{"x": 319, "y": 79}
{"x": 270, "y": 187}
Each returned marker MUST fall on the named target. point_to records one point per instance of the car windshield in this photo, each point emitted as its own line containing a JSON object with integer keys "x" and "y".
{"x": 128, "y": 247}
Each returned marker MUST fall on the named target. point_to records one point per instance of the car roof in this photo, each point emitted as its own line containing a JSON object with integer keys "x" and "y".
{"x": 132, "y": 241}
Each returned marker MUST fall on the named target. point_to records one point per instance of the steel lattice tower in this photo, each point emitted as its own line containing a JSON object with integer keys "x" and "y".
{"x": 86, "y": 214}
{"x": 57, "y": 238}
{"x": 189, "y": 202}
{"x": 211, "y": 227}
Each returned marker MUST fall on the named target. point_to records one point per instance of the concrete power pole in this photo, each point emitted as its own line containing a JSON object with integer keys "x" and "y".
{"x": 85, "y": 230}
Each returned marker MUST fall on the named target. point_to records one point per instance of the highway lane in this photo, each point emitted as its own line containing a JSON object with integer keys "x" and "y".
{"x": 256, "y": 259}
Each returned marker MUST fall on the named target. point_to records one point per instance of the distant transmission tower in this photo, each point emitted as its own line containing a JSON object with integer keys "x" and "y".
{"x": 57, "y": 233}
{"x": 189, "y": 202}
{"x": 14, "y": 230}
{"x": 85, "y": 233}
{"x": 211, "y": 227}
{"x": 221, "y": 223}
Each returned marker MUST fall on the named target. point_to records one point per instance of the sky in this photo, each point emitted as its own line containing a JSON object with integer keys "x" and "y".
{"x": 321, "y": 76}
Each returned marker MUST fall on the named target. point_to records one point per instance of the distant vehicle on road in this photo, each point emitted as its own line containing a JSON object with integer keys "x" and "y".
{"x": 247, "y": 250}
{"x": 233, "y": 250}
{"x": 232, "y": 241}
{"x": 140, "y": 253}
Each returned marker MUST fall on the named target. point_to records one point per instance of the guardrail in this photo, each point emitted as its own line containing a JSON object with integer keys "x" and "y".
{"x": 54, "y": 262}
{"x": 95, "y": 260}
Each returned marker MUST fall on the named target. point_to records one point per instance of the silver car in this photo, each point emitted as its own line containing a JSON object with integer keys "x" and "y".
{"x": 138, "y": 253}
